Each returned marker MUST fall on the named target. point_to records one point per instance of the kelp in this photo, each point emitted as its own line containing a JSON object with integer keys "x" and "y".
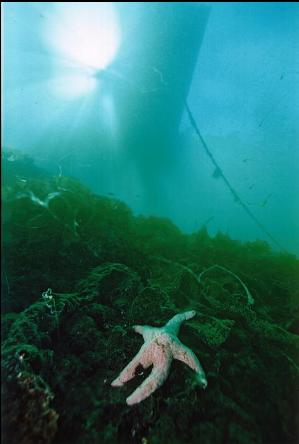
{"x": 81, "y": 271}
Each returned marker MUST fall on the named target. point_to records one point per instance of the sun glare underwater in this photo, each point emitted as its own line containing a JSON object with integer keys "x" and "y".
{"x": 85, "y": 38}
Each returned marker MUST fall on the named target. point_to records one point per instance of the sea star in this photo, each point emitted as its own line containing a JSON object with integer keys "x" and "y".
{"x": 161, "y": 346}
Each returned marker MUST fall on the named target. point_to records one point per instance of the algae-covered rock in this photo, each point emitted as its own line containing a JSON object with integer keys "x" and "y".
{"x": 81, "y": 272}
{"x": 213, "y": 332}
{"x": 27, "y": 417}
{"x": 111, "y": 284}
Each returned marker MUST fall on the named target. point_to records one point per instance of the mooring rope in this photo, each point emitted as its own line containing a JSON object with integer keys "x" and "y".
{"x": 228, "y": 184}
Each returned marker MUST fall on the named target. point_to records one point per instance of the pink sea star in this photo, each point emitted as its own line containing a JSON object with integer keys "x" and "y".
{"x": 161, "y": 346}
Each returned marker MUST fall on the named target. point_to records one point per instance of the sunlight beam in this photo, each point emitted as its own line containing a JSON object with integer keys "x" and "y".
{"x": 86, "y": 34}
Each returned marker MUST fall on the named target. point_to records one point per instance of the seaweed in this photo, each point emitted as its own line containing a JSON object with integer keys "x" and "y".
{"x": 82, "y": 270}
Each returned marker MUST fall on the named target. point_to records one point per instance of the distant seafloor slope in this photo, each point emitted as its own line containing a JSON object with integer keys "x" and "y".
{"x": 79, "y": 270}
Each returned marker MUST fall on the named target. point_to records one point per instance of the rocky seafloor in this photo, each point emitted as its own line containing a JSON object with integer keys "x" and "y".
{"x": 79, "y": 270}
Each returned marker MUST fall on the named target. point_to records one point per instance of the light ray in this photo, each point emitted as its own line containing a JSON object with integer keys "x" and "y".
{"x": 84, "y": 32}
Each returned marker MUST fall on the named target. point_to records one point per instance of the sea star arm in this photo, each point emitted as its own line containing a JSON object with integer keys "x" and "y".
{"x": 144, "y": 330}
{"x": 174, "y": 324}
{"x": 130, "y": 370}
{"x": 186, "y": 355}
{"x": 151, "y": 383}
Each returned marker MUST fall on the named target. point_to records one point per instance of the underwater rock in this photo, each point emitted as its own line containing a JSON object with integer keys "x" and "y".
{"x": 108, "y": 271}
{"x": 213, "y": 332}
{"x": 111, "y": 284}
{"x": 27, "y": 417}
